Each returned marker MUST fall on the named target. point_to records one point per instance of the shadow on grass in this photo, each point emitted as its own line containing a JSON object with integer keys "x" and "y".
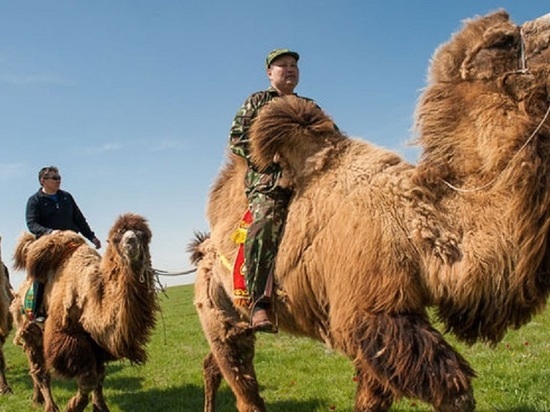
{"x": 191, "y": 398}
{"x": 127, "y": 394}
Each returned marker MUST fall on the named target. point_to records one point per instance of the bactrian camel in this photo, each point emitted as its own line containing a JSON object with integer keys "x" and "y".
{"x": 372, "y": 242}
{"x": 6, "y": 296}
{"x": 99, "y": 309}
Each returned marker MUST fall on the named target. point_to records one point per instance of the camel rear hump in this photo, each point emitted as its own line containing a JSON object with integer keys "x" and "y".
{"x": 44, "y": 255}
{"x": 20, "y": 253}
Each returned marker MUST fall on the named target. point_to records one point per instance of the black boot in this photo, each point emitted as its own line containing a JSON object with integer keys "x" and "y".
{"x": 37, "y": 314}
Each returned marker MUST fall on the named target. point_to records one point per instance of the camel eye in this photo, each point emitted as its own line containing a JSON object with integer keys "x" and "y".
{"x": 504, "y": 42}
{"x": 142, "y": 236}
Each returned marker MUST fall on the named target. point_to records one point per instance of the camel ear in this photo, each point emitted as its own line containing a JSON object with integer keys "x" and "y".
{"x": 453, "y": 61}
{"x": 496, "y": 53}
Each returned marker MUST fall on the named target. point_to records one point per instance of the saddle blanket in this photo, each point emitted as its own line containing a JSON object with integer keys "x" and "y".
{"x": 240, "y": 293}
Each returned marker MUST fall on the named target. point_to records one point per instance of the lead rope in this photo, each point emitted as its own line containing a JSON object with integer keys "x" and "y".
{"x": 458, "y": 189}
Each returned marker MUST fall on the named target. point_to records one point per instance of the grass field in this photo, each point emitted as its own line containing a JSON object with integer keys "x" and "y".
{"x": 296, "y": 375}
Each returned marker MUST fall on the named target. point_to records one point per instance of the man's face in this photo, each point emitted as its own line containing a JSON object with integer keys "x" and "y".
{"x": 51, "y": 182}
{"x": 283, "y": 74}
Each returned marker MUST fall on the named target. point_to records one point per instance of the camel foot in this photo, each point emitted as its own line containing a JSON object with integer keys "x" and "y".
{"x": 37, "y": 399}
{"x": 51, "y": 408}
{"x": 5, "y": 390}
{"x": 464, "y": 403}
{"x": 77, "y": 403}
{"x": 100, "y": 407}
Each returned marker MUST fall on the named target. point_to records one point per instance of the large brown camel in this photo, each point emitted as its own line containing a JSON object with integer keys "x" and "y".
{"x": 372, "y": 242}
{"x": 99, "y": 309}
{"x": 6, "y": 296}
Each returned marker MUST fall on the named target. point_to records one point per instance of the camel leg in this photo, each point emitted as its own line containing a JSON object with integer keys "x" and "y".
{"x": 234, "y": 356}
{"x": 31, "y": 337}
{"x": 4, "y": 387}
{"x": 232, "y": 346}
{"x": 212, "y": 381}
{"x": 371, "y": 395}
{"x": 98, "y": 400}
{"x": 86, "y": 383}
{"x": 406, "y": 355}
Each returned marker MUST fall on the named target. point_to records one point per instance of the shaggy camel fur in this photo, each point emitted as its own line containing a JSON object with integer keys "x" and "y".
{"x": 371, "y": 241}
{"x": 99, "y": 308}
{"x": 6, "y": 296}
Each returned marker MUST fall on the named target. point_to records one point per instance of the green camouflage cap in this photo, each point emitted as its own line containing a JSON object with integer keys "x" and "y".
{"x": 273, "y": 54}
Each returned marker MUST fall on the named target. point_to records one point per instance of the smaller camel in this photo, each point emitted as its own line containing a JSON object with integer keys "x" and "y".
{"x": 99, "y": 309}
{"x": 6, "y": 296}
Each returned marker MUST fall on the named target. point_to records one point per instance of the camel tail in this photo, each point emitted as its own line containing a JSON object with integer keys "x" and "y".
{"x": 20, "y": 254}
{"x": 195, "y": 247}
{"x": 395, "y": 349}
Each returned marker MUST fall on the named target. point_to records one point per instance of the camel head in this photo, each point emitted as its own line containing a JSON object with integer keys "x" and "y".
{"x": 489, "y": 85}
{"x": 130, "y": 237}
{"x": 491, "y": 46}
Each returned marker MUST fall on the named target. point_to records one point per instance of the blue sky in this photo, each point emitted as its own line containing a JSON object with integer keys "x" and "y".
{"x": 133, "y": 100}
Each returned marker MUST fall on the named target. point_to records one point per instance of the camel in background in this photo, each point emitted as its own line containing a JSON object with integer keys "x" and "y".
{"x": 6, "y": 320}
{"x": 99, "y": 309}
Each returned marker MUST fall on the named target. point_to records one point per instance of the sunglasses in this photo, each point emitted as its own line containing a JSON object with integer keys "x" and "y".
{"x": 53, "y": 178}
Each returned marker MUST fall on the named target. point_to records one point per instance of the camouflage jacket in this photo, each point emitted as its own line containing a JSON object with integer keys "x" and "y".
{"x": 266, "y": 181}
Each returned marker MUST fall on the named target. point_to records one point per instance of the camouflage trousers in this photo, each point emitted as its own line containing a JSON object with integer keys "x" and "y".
{"x": 262, "y": 240}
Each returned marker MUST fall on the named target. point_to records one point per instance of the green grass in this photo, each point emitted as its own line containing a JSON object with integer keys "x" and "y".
{"x": 296, "y": 374}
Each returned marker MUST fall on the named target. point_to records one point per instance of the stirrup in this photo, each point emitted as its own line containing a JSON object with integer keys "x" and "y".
{"x": 262, "y": 324}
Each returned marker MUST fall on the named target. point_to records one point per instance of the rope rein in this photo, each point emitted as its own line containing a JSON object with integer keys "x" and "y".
{"x": 458, "y": 189}
{"x": 523, "y": 68}
{"x": 160, "y": 272}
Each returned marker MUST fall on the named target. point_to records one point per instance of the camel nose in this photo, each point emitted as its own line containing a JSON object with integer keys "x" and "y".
{"x": 129, "y": 236}
{"x": 130, "y": 241}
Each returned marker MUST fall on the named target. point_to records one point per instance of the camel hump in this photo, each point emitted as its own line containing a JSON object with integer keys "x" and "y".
{"x": 20, "y": 253}
{"x": 47, "y": 253}
{"x": 285, "y": 123}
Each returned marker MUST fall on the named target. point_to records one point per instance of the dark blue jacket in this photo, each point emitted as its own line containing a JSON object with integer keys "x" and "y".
{"x": 44, "y": 215}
